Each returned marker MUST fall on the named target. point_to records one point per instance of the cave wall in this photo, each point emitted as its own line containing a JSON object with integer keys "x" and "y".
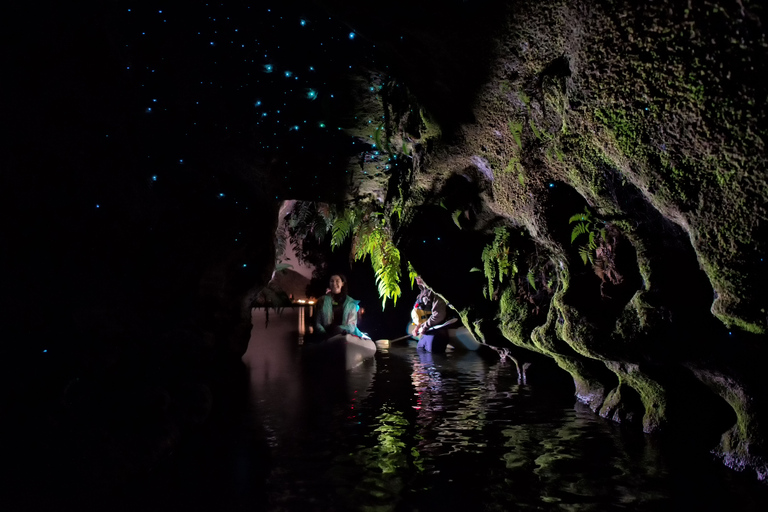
{"x": 650, "y": 118}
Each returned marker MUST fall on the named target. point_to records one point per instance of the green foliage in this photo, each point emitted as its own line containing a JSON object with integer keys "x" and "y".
{"x": 524, "y": 98}
{"x": 374, "y": 238}
{"x": 514, "y": 165}
{"x": 377, "y": 136}
{"x": 587, "y": 224}
{"x": 499, "y": 260}
{"x": 309, "y": 219}
{"x": 531, "y": 279}
{"x": 371, "y": 234}
{"x": 516, "y": 128}
{"x": 342, "y": 227}
{"x": 455, "y": 217}
{"x": 412, "y": 274}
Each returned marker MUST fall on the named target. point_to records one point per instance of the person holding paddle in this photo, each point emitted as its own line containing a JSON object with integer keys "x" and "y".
{"x": 429, "y": 309}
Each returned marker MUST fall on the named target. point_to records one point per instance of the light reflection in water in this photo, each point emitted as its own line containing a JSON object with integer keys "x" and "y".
{"x": 416, "y": 431}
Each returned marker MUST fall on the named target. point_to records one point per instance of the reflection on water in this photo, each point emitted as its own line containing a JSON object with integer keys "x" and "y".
{"x": 417, "y": 431}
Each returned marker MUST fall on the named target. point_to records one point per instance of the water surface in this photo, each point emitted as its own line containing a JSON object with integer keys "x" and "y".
{"x": 410, "y": 431}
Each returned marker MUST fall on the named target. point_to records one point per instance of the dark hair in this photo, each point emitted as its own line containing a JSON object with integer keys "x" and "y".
{"x": 343, "y": 282}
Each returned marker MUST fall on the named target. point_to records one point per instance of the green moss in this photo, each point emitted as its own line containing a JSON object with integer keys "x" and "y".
{"x": 652, "y": 394}
{"x": 431, "y": 129}
{"x": 516, "y": 129}
{"x": 588, "y": 389}
{"x": 514, "y": 320}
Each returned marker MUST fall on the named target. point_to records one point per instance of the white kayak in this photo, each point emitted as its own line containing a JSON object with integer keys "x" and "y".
{"x": 450, "y": 333}
{"x": 354, "y": 349}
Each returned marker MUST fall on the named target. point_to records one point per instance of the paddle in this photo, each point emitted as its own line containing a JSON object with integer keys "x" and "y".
{"x": 386, "y": 343}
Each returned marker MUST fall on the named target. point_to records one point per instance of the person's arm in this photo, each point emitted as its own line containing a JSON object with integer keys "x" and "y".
{"x": 350, "y": 317}
{"x": 319, "y": 328}
{"x": 438, "y": 313}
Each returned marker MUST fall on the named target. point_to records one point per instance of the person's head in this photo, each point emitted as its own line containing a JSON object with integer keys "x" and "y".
{"x": 338, "y": 284}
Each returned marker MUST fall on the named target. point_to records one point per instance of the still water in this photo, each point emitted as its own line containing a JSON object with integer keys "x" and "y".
{"x": 410, "y": 431}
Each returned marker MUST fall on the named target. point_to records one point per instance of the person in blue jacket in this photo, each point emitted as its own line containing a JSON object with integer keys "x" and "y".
{"x": 337, "y": 311}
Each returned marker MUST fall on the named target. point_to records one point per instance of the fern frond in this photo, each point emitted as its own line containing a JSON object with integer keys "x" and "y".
{"x": 578, "y": 229}
{"x": 584, "y": 253}
{"x": 576, "y": 218}
{"x": 342, "y": 227}
{"x": 455, "y": 217}
{"x": 531, "y": 279}
{"x": 412, "y": 274}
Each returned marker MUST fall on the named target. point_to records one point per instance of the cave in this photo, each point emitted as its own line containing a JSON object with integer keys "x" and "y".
{"x": 583, "y": 182}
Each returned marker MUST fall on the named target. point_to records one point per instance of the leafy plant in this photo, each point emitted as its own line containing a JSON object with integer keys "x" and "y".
{"x": 516, "y": 128}
{"x": 412, "y": 274}
{"x": 371, "y": 233}
{"x": 499, "y": 260}
{"x": 342, "y": 227}
{"x": 455, "y": 217}
{"x": 373, "y": 238}
{"x": 531, "y": 279}
{"x": 587, "y": 224}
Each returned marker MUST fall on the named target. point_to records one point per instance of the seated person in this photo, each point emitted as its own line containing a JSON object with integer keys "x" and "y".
{"x": 429, "y": 310}
{"x": 336, "y": 311}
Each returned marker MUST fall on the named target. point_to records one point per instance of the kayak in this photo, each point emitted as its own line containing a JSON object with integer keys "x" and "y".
{"x": 450, "y": 333}
{"x": 352, "y": 349}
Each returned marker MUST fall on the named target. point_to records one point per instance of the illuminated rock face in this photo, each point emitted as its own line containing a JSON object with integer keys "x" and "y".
{"x": 621, "y": 147}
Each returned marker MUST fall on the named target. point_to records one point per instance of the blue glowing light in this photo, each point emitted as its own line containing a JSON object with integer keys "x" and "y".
{"x": 551, "y": 185}
{"x": 97, "y": 206}
{"x": 303, "y": 23}
{"x": 211, "y": 43}
{"x": 154, "y": 177}
{"x": 269, "y": 68}
{"x": 245, "y": 264}
{"x": 311, "y": 68}
{"x": 221, "y": 195}
{"x": 181, "y": 161}
{"x": 312, "y": 94}
{"x": 351, "y": 35}
{"x": 322, "y": 125}
{"x": 257, "y": 104}
{"x": 288, "y": 74}
{"x": 46, "y": 350}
